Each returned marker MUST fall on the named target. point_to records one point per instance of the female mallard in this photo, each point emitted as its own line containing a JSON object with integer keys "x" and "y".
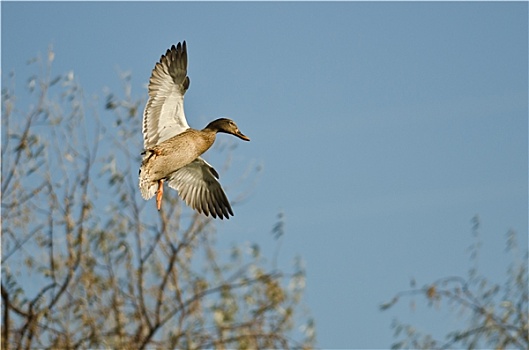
{"x": 172, "y": 149}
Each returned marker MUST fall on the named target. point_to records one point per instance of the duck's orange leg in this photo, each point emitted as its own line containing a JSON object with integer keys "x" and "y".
{"x": 159, "y": 194}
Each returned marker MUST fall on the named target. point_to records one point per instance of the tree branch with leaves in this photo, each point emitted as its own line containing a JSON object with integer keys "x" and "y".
{"x": 497, "y": 314}
{"x": 86, "y": 264}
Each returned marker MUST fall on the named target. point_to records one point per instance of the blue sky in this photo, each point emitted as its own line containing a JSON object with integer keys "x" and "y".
{"x": 382, "y": 129}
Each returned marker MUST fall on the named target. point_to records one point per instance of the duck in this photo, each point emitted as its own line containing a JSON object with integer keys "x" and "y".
{"x": 172, "y": 150}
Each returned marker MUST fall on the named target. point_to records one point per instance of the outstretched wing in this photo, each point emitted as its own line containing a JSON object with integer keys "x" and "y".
{"x": 164, "y": 115}
{"x": 197, "y": 184}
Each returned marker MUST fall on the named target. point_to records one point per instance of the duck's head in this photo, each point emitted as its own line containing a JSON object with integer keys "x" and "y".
{"x": 227, "y": 126}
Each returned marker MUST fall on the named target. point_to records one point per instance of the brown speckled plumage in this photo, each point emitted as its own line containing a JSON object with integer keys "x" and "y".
{"x": 173, "y": 149}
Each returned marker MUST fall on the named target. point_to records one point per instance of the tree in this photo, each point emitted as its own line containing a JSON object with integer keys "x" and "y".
{"x": 497, "y": 314}
{"x": 86, "y": 264}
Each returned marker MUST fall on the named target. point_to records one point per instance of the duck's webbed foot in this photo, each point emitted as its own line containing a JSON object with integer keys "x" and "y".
{"x": 159, "y": 194}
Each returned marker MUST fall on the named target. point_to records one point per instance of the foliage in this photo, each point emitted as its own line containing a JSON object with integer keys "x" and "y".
{"x": 87, "y": 264}
{"x": 498, "y": 315}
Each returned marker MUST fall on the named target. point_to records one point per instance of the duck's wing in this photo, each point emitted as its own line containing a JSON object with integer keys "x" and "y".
{"x": 164, "y": 116}
{"x": 198, "y": 186}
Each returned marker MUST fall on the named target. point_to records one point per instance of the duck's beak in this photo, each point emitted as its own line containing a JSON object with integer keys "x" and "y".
{"x": 241, "y": 135}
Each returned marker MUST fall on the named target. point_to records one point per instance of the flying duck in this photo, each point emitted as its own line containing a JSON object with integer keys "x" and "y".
{"x": 172, "y": 149}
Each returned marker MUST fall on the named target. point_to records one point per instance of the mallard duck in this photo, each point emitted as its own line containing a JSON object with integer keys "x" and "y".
{"x": 172, "y": 149}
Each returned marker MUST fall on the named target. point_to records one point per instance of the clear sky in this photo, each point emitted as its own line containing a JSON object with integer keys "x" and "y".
{"x": 382, "y": 129}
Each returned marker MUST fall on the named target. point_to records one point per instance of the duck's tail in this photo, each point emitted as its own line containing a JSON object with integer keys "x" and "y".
{"x": 148, "y": 187}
